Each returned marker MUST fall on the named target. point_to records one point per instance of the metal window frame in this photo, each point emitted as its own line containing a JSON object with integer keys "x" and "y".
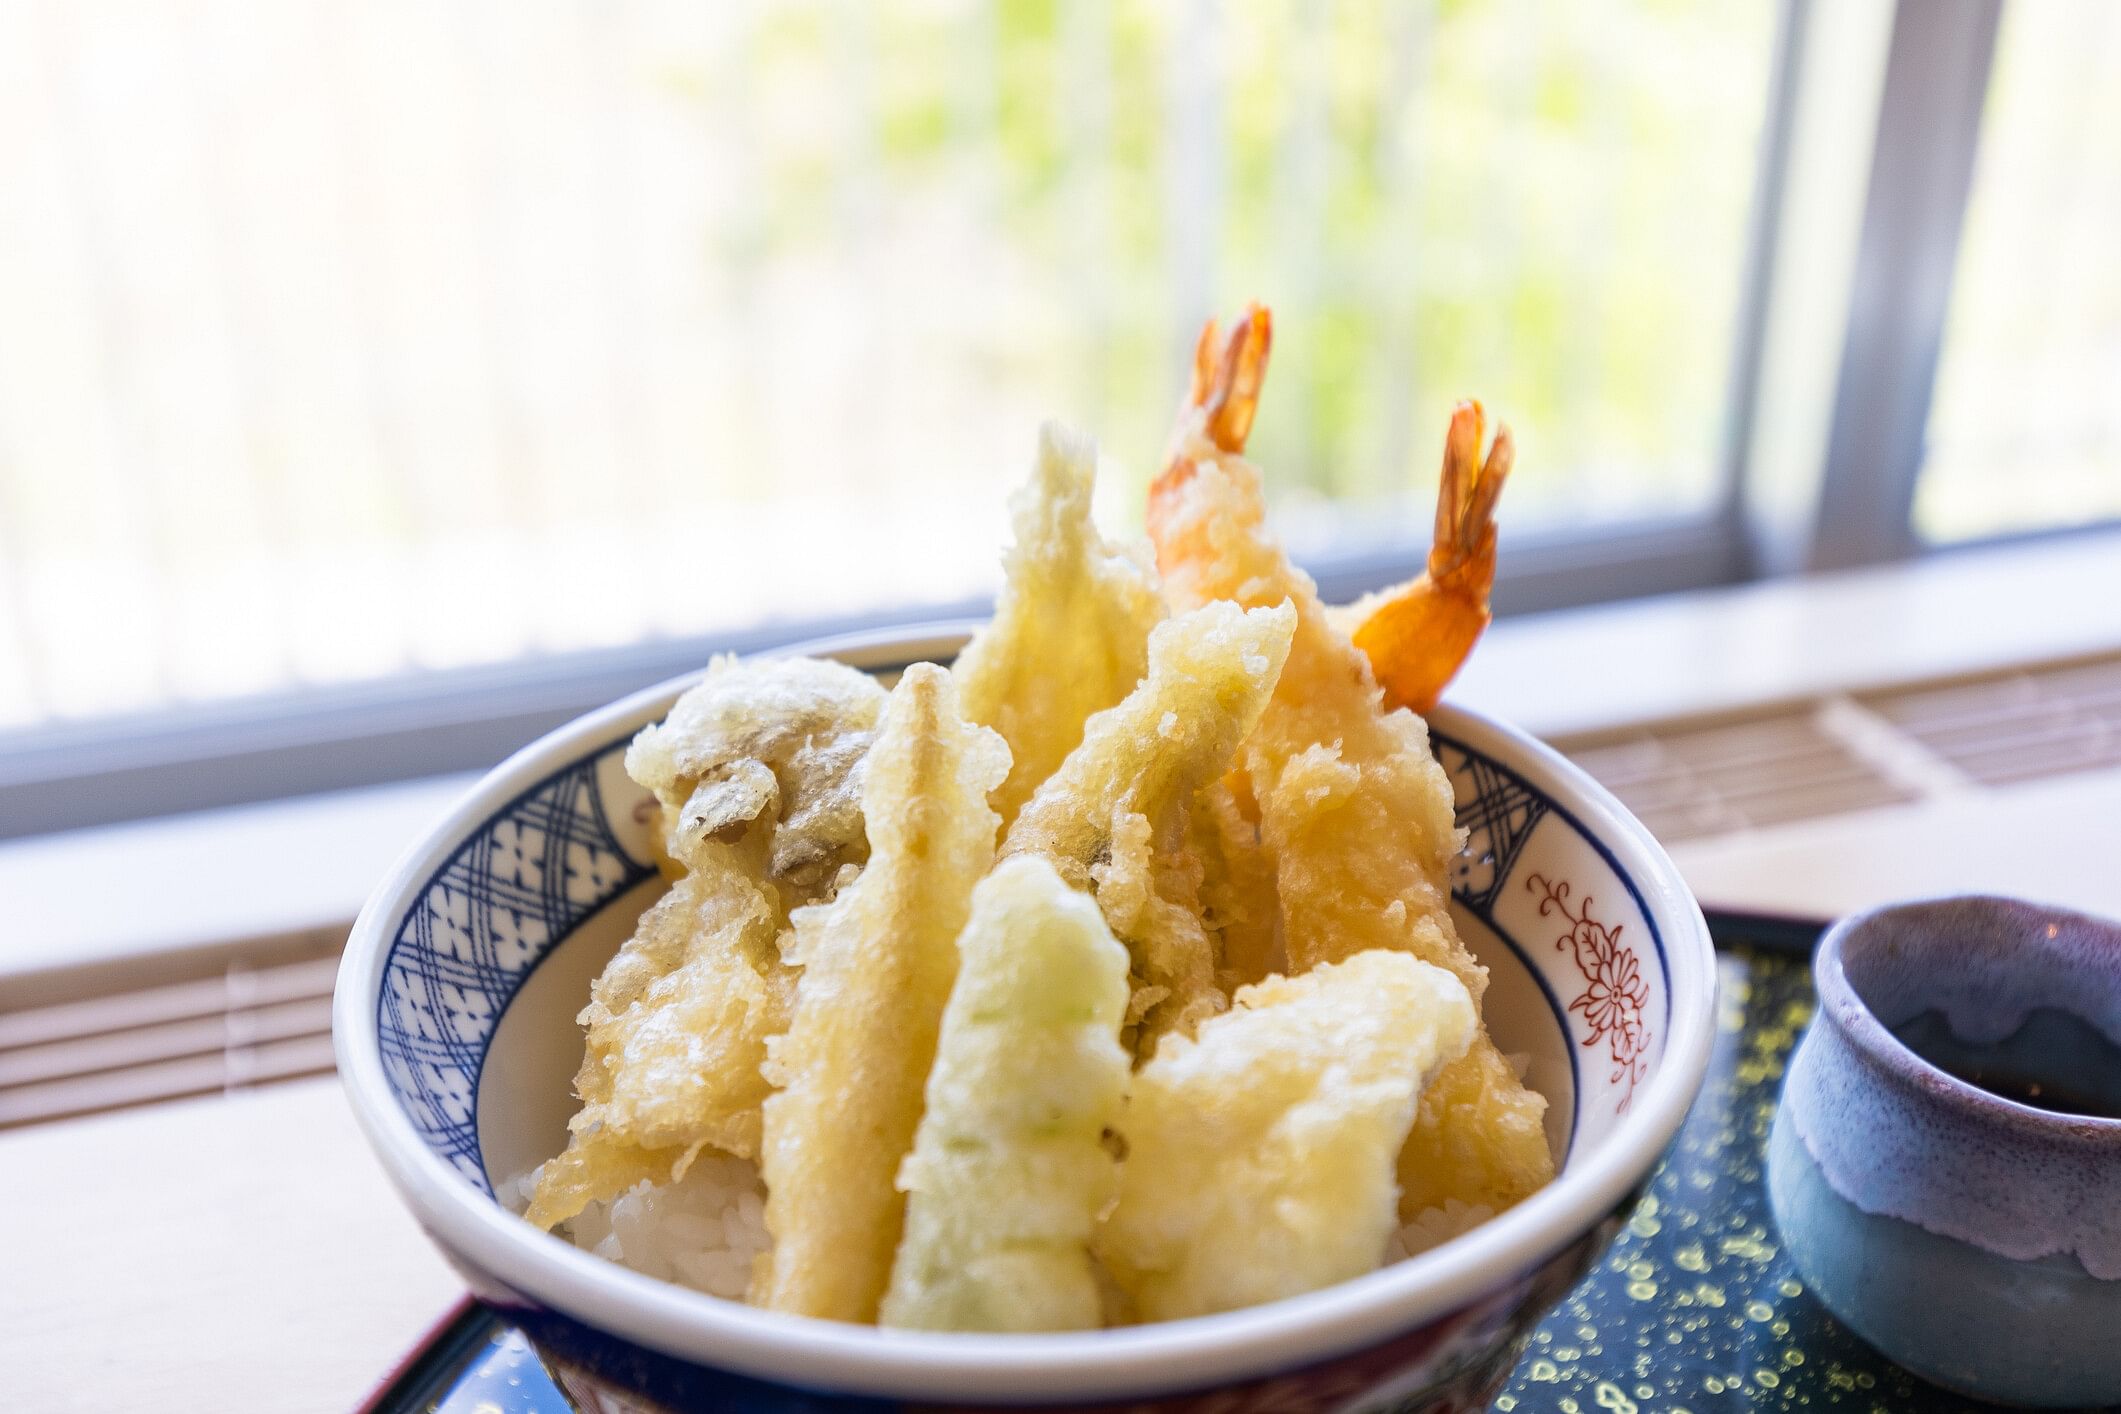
{"x": 1922, "y": 171}
{"x": 422, "y": 724}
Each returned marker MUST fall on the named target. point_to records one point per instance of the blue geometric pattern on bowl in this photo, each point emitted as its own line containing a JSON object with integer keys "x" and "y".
{"x": 485, "y": 919}
{"x": 551, "y": 858}
{"x": 1497, "y": 811}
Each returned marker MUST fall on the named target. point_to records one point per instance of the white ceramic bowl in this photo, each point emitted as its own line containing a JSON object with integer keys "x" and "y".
{"x": 455, "y": 1038}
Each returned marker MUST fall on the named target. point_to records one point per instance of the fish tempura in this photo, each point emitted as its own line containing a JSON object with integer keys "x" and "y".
{"x": 877, "y": 965}
{"x": 1260, "y": 1152}
{"x": 1070, "y": 634}
{"x": 1009, "y": 1171}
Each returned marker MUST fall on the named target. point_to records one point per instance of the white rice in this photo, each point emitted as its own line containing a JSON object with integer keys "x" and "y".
{"x": 1434, "y": 1226}
{"x": 704, "y": 1231}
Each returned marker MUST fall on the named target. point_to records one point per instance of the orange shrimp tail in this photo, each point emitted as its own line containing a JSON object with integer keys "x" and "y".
{"x": 1417, "y": 637}
{"x": 1226, "y": 388}
{"x": 1223, "y": 397}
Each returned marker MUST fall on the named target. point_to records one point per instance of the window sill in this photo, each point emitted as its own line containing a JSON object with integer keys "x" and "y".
{"x": 104, "y": 895}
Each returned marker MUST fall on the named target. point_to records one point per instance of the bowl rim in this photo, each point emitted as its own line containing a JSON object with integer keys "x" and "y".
{"x": 1943, "y": 922}
{"x": 1166, "y": 1357}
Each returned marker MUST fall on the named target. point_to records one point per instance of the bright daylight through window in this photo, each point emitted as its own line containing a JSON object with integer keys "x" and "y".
{"x": 2025, "y": 429}
{"x": 343, "y": 337}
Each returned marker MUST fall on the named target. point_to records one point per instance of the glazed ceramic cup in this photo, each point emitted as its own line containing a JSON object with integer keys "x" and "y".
{"x": 1973, "y": 1238}
{"x": 456, "y": 1037}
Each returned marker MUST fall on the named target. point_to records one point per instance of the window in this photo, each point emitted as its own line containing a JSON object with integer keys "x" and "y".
{"x": 356, "y": 338}
{"x": 2025, "y": 429}
{"x": 383, "y": 382}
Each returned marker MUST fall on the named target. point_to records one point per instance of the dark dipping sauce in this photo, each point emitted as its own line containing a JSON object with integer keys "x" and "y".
{"x": 2055, "y": 1061}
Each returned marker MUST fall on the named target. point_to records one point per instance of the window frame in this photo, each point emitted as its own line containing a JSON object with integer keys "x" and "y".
{"x": 207, "y": 755}
{"x": 1922, "y": 174}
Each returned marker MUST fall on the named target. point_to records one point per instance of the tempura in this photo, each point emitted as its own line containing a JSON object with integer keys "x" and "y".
{"x": 1260, "y": 1152}
{"x": 1239, "y": 906}
{"x": 1114, "y": 816}
{"x": 779, "y": 739}
{"x": 877, "y": 966}
{"x": 1070, "y": 634}
{"x": 1356, "y": 813}
{"x": 1009, "y": 1172}
{"x": 757, "y": 769}
{"x": 1108, "y": 976}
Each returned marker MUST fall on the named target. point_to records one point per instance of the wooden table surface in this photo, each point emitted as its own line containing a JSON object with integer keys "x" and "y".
{"x": 231, "y": 1254}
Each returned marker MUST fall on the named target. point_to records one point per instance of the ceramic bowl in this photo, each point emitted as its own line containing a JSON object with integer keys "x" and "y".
{"x": 456, "y": 1042}
{"x": 1971, "y": 1237}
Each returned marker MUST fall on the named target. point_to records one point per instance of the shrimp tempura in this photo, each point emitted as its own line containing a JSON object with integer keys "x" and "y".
{"x": 1353, "y": 806}
{"x": 877, "y": 965}
{"x": 1418, "y": 634}
{"x": 1009, "y": 1171}
{"x": 1260, "y": 1152}
{"x": 1113, "y": 817}
{"x": 1070, "y": 634}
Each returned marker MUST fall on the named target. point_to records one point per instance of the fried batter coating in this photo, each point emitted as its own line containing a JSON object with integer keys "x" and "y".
{"x": 1358, "y": 816}
{"x": 677, "y": 1027}
{"x": 1009, "y": 1170}
{"x": 1120, "y": 799}
{"x": 780, "y": 739}
{"x": 598, "y": 1165}
{"x": 758, "y": 771}
{"x": 1260, "y": 1151}
{"x": 1070, "y": 634}
{"x": 877, "y": 965}
{"x": 1151, "y": 897}
{"x": 1238, "y": 901}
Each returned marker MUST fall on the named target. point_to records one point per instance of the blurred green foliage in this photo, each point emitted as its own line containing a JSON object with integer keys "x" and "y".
{"x": 1546, "y": 207}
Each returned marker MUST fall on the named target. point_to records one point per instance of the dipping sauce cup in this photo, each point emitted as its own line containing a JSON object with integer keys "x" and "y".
{"x": 1945, "y": 1163}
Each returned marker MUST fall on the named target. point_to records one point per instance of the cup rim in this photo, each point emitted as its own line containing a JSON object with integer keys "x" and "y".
{"x": 1845, "y": 1008}
{"x": 1134, "y": 1361}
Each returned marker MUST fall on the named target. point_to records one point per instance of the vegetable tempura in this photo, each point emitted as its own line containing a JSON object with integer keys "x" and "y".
{"x": 779, "y": 739}
{"x": 757, "y": 770}
{"x": 1009, "y": 1171}
{"x": 1260, "y": 1152}
{"x": 1107, "y": 975}
{"x": 1068, "y": 598}
{"x": 877, "y": 966}
{"x": 1113, "y": 817}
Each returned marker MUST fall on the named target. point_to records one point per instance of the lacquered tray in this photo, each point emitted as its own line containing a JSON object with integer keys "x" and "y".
{"x": 1694, "y": 1308}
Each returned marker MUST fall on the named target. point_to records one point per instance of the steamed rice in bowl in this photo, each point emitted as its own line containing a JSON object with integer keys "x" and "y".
{"x": 703, "y": 1231}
